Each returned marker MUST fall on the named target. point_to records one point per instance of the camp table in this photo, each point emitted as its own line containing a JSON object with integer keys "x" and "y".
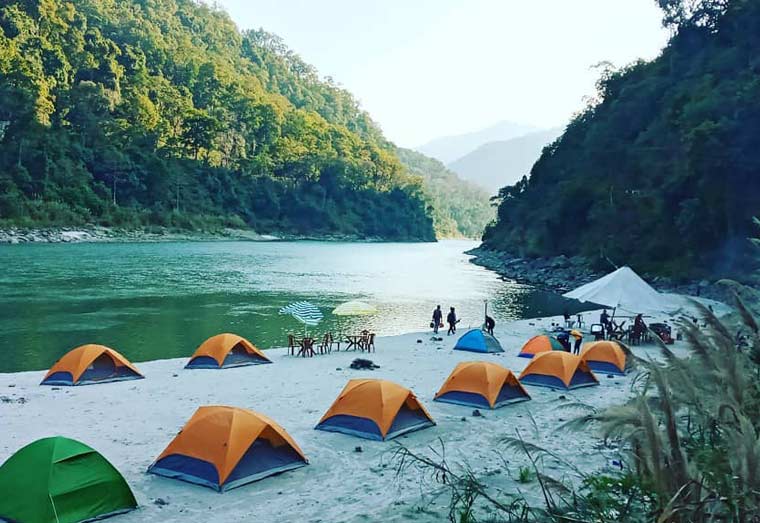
{"x": 307, "y": 347}
{"x": 617, "y": 332}
{"x": 355, "y": 341}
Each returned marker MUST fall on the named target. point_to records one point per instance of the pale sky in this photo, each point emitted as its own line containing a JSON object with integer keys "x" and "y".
{"x": 430, "y": 68}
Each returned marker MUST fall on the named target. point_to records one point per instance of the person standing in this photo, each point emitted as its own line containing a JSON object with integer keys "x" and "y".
{"x": 604, "y": 319}
{"x": 437, "y": 317}
{"x": 578, "y": 341}
{"x": 490, "y": 324}
{"x": 563, "y": 338}
{"x": 452, "y": 320}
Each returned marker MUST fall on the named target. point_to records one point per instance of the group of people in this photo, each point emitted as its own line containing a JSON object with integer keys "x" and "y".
{"x": 452, "y": 320}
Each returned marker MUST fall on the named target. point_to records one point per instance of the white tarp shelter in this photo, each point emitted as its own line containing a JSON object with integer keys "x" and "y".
{"x": 623, "y": 289}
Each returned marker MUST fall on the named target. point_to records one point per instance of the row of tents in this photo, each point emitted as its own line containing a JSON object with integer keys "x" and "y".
{"x": 220, "y": 447}
{"x": 601, "y": 356}
{"x": 90, "y": 364}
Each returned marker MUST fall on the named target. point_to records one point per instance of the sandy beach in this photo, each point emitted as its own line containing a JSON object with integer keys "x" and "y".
{"x": 131, "y": 422}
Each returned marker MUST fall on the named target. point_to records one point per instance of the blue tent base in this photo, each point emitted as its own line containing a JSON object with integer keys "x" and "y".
{"x": 207, "y": 362}
{"x": 406, "y": 421}
{"x": 261, "y": 460}
{"x": 605, "y": 367}
{"x": 63, "y": 379}
{"x": 552, "y": 382}
{"x": 157, "y": 470}
{"x": 368, "y": 435}
{"x": 469, "y": 399}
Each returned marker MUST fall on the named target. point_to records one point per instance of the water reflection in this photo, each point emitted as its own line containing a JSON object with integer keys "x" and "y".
{"x": 154, "y": 301}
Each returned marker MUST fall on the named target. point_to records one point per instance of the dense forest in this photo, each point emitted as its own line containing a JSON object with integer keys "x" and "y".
{"x": 160, "y": 112}
{"x": 459, "y": 208}
{"x": 662, "y": 170}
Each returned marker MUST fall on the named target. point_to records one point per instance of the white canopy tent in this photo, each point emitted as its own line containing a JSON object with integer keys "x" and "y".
{"x": 624, "y": 289}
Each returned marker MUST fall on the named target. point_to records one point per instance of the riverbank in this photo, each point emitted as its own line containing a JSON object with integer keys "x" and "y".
{"x": 98, "y": 234}
{"x": 561, "y": 274}
{"x": 93, "y": 234}
{"x": 348, "y": 479}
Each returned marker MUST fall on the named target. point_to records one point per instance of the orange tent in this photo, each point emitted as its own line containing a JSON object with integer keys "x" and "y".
{"x": 375, "y": 409}
{"x": 91, "y": 364}
{"x": 539, "y": 344}
{"x": 481, "y": 384}
{"x": 558, "y": 370}
{"x": 226, "y": 447}
{"x": 604, "y": 356}
{"x": 224, "y": 351}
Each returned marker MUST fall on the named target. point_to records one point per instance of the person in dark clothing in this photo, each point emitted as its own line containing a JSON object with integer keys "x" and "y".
{"x": 564, "y": 339}
{"x": 604, "y": 319}
{"x": 639, "y": 328}
{"x": 437, "y": 317}
{"x": 490, "y": 324}
{"x": 452, "y": 320}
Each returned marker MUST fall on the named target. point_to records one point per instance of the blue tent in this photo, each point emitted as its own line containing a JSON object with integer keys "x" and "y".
{"x": 476, "y": 340}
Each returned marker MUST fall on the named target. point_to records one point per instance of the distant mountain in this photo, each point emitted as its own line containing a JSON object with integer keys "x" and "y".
{"x": 459, "y": 208}
{"x": 449, "y": 148}
{"x": 496, "y": 164}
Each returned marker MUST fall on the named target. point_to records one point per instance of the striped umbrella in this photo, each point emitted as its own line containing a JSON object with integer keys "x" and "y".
{"x": 304, "y": 312}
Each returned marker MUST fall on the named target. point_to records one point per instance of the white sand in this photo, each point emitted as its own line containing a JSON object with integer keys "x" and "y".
{"x": 131, "y": 422}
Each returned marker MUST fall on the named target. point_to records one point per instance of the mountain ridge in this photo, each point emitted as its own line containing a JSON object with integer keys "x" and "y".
{"x": 449, "y": 148}
{"x": 496, "y": 164}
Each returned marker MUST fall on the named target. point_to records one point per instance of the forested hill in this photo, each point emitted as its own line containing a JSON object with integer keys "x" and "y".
{"x": 139, "y": 112}
{"x": 663, "y": 171}
{"x": 459, "y": 208}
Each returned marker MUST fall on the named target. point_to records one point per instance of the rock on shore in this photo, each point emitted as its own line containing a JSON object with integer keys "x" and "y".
{"x": 561, "y": 274}
{"x": 15, "y": 235}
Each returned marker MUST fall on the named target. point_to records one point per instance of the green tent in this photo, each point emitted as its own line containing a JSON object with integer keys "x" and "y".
{"x": 59, "y": 480}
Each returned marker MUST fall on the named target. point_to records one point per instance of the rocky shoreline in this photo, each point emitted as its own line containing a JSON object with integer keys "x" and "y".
{"x": 99, "y": 234}
{"x": 561, "y": 274}
{"x": 96, "y": 234}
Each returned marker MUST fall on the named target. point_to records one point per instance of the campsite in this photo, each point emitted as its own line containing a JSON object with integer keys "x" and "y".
{"x": 432, "y": 394}
{"x": 132, "y": 430}
{"x": 381, "y": 261}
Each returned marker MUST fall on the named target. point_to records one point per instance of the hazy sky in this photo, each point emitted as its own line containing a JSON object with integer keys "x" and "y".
{"x": 428, "y": 68}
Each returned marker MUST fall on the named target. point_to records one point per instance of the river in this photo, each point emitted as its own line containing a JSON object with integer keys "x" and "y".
{"x": 161, "y": 300}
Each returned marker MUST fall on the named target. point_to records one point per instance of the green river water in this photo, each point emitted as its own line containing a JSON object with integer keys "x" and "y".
{"x": 161, "y": 300}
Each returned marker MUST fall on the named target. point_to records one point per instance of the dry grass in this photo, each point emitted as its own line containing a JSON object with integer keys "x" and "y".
{"x": 692, "y": 432}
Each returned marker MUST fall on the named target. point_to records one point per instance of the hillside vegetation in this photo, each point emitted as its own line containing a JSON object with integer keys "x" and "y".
{"x": 459, "y": 209}
{"x": 661, "y": 172}
{"x": 137, "y": 112}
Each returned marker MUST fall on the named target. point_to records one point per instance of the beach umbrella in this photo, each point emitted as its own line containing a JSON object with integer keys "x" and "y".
{"x": 354, "y": 308}
{"x": 305, "y": 312}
